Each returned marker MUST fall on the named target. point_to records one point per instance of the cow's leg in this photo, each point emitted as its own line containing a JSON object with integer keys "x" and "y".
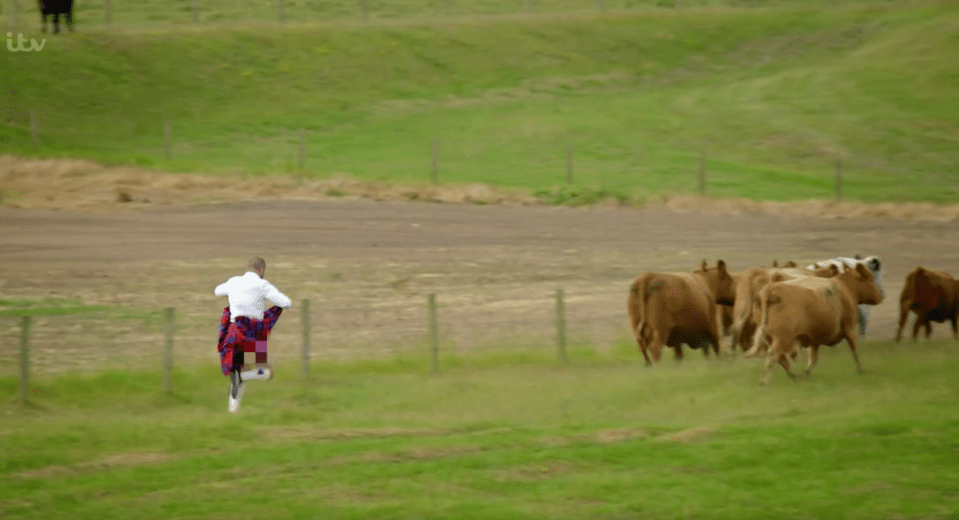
{"x": 903, "y": 317}
{"x": 928, "y": 329}
{"x": 642, "y": 344}
{"x": 43, "y": 21}
{"x": 772, "y": 355}
{"x": 813, "y": 358}
{"x": 678, "y": 353}
{"x": 655, "y": 345}
{"x": 69, "y": 17}
{"x": 955, "y": 326}
{"x": 851, "y": 339}
{"x": 915, "y": 326}
{"x": 56, "y": 23}
{"x": 784, "y": 362}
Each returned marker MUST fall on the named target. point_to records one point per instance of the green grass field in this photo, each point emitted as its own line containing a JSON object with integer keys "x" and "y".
{"x": 773, "y": 96}
{"x": 603, "y": 437}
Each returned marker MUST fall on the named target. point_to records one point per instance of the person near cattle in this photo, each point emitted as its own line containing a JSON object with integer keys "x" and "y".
{"x": 245, "y": 321}
{"x": 874, "y": 266}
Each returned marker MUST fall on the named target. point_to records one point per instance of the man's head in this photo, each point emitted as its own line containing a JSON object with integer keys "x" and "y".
{"x": 257, "y": 265}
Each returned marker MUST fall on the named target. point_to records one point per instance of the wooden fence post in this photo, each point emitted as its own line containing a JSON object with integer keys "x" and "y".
{"x": 838, "y": 180}
{"x": 167, "y": 138}
{"x": 108, "y": 13}
{"x": 280, "y": 7}
{"x": 702, "y": 173}
{"x": 33, "y": 128}
{"x": 435, "y": 161}
{"x": 24, "y": 358}
{"x": 434, "y": 340}
{"x": 365, "y": 8}
{"x": 168, "y": 351}
{"x": 528, "y": 5}
{"x": 569, "y": 165}
{"x": 306, "y": 339}
{"x": 14, "y": 8}
{"x": 195, "y": 7}
{"x": 302, "y": 155}
{"x": 561, "y": 326}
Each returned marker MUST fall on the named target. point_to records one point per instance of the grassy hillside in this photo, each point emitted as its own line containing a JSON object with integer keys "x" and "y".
{"x": 772, "y": 96}
{"x": 158, "y": 13}
{"x": 597, "y": 439}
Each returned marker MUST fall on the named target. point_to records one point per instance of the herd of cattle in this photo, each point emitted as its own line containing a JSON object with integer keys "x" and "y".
{"x": 777, "y": 309}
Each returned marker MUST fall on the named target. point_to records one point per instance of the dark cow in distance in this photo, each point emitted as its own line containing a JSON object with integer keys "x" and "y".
{"x": 933, "y": 296}
{"x": 55, "y": 8}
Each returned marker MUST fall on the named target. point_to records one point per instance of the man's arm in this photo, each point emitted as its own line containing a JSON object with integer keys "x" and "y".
{"x": 222, "y": 289}
{"x": 274, "y": 295}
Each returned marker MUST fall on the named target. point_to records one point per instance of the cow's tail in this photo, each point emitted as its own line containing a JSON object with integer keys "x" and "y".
{"x": 914, "y": 280}
{"x": 637, "y": 314}
{"x": 759, "y": 339}
{"x": 638, "y": 296}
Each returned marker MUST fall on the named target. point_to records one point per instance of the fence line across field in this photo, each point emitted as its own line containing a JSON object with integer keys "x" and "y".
{"x": 297, "y": 156}
{"x": 434, "y": 335}
{"x": 364, "y": 10}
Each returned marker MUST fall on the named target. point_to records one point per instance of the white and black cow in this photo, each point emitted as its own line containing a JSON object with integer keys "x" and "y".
{"x": 873, "y": 264}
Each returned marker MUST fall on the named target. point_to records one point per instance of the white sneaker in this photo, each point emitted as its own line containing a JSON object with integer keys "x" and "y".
{"x": 235, "y": 401}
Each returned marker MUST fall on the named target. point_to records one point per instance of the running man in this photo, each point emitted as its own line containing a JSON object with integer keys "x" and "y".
{"x": 245, "y": 321}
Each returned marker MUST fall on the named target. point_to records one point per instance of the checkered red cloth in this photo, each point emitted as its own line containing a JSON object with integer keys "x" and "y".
{"x": 245, "y": 334}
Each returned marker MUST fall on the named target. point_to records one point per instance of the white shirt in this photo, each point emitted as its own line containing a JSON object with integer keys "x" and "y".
{"x": 246, "y": 294}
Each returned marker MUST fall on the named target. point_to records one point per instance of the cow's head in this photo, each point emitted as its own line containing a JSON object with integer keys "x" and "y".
{"x": 719, "y": 282}
{"x": 863, "y": 285}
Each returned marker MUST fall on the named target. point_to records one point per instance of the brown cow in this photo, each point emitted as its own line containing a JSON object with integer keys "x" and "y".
{"x": 812, "y": 311}
{"x": 933, "y": 296}
{"x": 752, "y": 281}
{"x": 675, "y": 308}
{"x": 724, "y": 309}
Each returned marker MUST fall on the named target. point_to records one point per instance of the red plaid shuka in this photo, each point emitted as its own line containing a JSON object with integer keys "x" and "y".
{"x": 245, "y": 334}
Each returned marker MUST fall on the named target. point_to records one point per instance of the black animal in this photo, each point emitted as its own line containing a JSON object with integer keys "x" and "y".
{"x": 55, "y": 8}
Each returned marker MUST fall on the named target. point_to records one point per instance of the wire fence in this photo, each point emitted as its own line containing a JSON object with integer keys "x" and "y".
{"x": 20, "y": 14}
{"x": 430, "y": 330}
{"x": 590, "y": 171}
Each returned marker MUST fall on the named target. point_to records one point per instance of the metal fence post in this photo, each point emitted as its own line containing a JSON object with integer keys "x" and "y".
{"x": 302, "y": 155}
{"x": 702, "y": 173}
{"x": 306, "y": 339}
{"x": 561, "y": 326}
{"x": 107, "y": 13}
{"x": 167, "y": 137}
{"x": 168, "y": 351}
{"x": 24, "y": 358}
{"x": 569, "y": 165}
{"x": 435, "y": 161}
{"x": 838, "y": 179}
{"x": 33, "y": 128}
{"x": 434, "y": 340}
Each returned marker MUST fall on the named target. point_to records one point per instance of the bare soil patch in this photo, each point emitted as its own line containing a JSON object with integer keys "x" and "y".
{"x": 367, "y": 267}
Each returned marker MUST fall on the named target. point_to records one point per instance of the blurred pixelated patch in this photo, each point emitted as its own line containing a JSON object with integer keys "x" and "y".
{"x": 258, "y": 347}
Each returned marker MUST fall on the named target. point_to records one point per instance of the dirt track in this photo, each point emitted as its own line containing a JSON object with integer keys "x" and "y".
{"x": 367, "y": 266}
